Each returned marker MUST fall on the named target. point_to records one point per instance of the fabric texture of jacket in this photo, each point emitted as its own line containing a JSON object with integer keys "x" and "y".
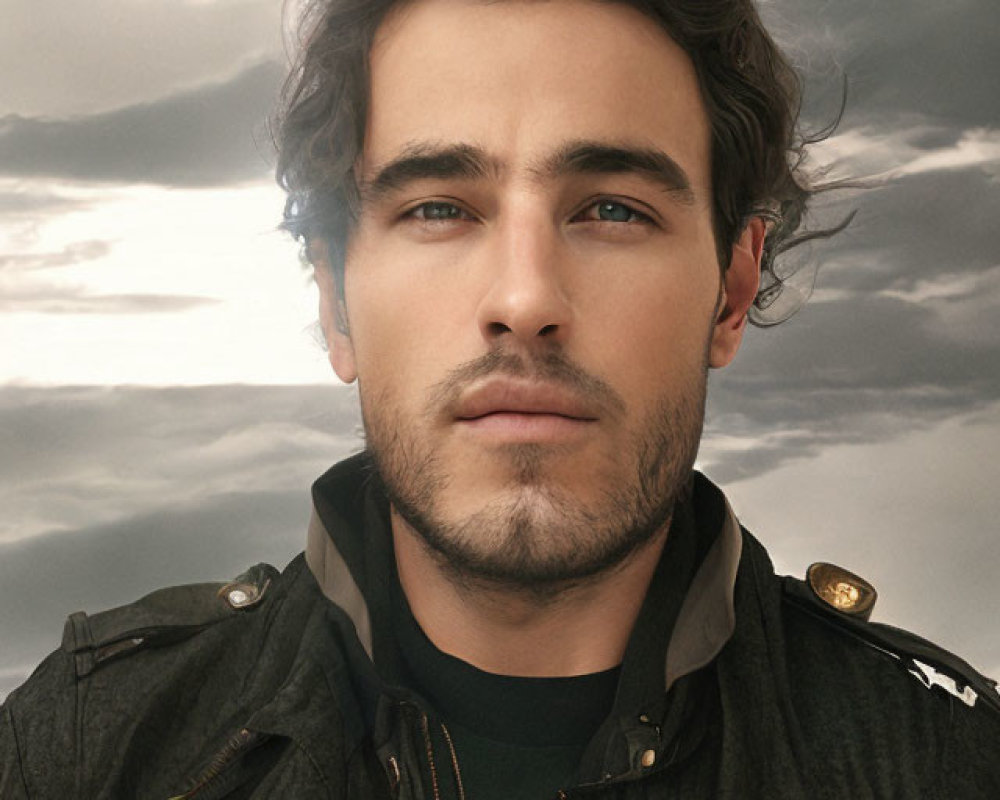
{"x": 283, "y": 685}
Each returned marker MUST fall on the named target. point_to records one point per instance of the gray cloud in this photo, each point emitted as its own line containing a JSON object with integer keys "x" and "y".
{"x": 867, "y": 368}
{"x": 936, "y": 58}
{"x": 45, "y": 578}
{"x": 917, "y": 227}
{"x": 71, "y": 254}
{"x": 61, "y": 59}
{"x": 111, "y": 493}
{"x": 61, "y": 300}
{"x": 169, "y": 446}
{"x": 214, "y": 134}
{"x": 903, "y": 55}
{"x": 900, "y": 335}
{"x": 19, "y": 204}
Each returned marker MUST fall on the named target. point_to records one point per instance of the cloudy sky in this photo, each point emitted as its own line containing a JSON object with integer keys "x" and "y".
{"x": 163, "y": 406}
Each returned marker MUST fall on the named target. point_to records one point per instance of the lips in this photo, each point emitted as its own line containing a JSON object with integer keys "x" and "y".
{"x": 508, "y": 396}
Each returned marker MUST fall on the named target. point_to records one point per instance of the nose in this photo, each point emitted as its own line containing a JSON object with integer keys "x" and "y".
{"x": 526, "y": 297}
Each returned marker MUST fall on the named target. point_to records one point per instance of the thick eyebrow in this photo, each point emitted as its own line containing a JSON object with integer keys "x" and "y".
{"x": 598, "y": 158}
{"x": 423, "y": 161}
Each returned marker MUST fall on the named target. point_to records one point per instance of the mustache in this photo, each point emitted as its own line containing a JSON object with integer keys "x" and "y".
{"x": 549, "y": 367}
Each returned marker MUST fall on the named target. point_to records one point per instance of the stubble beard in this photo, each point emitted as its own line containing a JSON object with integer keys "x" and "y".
{"x": 536, "y": 537}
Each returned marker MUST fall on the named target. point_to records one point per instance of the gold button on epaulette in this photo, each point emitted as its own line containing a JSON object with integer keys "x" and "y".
{"x": 842, "y": 590}
{"x": 243, "y": 595}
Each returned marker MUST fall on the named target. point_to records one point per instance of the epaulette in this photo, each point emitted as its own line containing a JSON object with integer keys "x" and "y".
{"x": 843, "y": 600}
{"x": 162, "y": 617}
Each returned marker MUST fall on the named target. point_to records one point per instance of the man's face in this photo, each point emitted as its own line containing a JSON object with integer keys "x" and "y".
{"x": 532, "y": 289}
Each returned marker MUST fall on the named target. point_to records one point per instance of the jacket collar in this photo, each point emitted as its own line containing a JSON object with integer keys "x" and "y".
{"x": 707, "y": 617}
{"x": 336, "y": 559}
{"x": 744, "y": 692}
{"x": 329, "y": 568}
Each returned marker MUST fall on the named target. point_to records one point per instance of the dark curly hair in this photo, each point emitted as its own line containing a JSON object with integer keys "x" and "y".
{"x": 751, "y": 93}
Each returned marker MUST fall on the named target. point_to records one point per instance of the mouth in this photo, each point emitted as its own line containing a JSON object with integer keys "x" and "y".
{"x": 514, "y": 410}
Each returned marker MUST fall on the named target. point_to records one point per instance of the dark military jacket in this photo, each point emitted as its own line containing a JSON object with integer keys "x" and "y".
{"x": 284, "y": 685}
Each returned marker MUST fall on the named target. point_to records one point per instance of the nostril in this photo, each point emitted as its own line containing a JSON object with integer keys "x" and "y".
{"x": 548, "y": 330}
{"x": 497, "y": 328}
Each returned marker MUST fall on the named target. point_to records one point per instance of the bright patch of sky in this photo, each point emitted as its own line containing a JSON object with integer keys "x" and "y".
{"x": 244, "y": 304}
{"x": 895, "y": 152}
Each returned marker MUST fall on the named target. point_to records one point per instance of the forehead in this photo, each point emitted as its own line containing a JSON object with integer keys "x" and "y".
{"x": 521, "y": 78}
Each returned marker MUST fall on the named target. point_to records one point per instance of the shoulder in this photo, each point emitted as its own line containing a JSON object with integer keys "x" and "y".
{"x": 841, "y": 603}
{"x": 165, "y": 617}
{"x": 866, "y": 690}
{"x": 166, "y": 622}
{"x": 117, "y": 669}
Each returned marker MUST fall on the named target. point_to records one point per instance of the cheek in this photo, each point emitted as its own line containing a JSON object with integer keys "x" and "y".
{"x": 653, "y": 326}
{"x": 658, "y": 360}
{"x": 404, "y": 328}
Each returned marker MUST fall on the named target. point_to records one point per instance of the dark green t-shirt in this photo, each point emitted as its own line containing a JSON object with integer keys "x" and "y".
{"x": 514, "y": 737}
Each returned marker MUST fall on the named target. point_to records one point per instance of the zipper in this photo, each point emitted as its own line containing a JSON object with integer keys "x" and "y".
{"x": 429, "y": 749}
{"x": 454, "y": 762}
{"x": 425, "y": 728}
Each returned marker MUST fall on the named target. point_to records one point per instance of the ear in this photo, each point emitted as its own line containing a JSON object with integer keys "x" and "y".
{"x": 332, "y": 313}
{"x": 739, "y": 288}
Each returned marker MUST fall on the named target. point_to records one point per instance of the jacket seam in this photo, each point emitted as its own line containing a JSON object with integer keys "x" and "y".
{"x": 831, "y": 623}
{"x": 316, "y": 767}
{"x": 78, "y": 716}
{"x": 17, "y": 750}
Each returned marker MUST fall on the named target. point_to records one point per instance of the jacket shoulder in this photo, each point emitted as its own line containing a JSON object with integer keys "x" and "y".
{"x": 163, "y": 617}
{"x": 117, "y": 667}
{"x": 841, "y": 602}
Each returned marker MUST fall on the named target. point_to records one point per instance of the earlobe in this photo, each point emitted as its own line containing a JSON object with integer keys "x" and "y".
{"x": 738, "y": 292}
{"x": 333, "y": 315}
{"x": 340, "y": 347}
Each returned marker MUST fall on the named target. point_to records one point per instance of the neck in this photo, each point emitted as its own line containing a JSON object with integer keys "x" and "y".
{"x": 571, "y": 630}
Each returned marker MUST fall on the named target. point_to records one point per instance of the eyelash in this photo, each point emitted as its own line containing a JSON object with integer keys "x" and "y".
{"x": 636, "y": 216}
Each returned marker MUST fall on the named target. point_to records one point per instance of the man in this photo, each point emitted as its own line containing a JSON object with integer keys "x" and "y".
{"x": 535, "y": 226}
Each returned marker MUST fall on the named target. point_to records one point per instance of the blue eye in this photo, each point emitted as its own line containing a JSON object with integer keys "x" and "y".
{"x": 613, "y": 211}
{"x": 437, "y": 210}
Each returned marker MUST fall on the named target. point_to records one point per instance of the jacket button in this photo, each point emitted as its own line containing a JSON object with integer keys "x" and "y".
{"x": 648, "y": 758}
{"x": 237, "y": 597}
{"x": 842, "y": 590}
{"x": 241, "y": 595}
